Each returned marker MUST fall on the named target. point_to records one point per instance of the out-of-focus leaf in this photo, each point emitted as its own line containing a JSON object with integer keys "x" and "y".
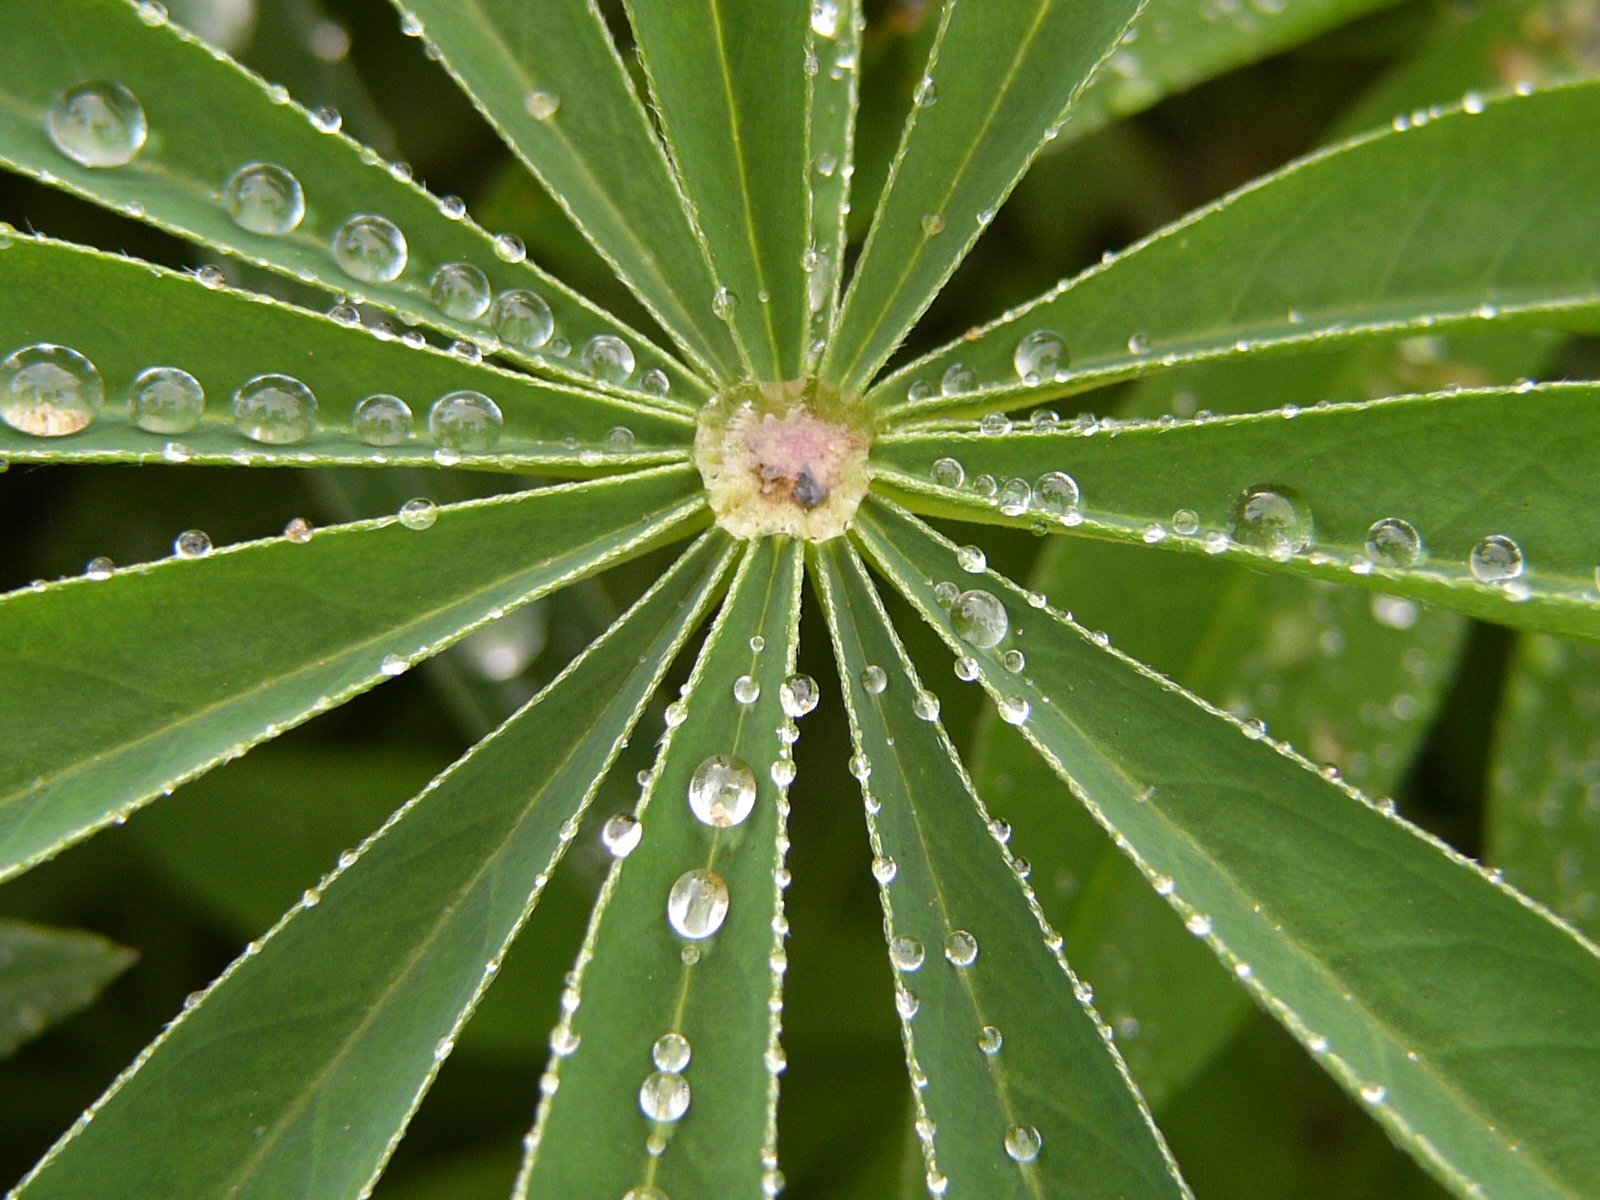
{"x": 47, "y": 975}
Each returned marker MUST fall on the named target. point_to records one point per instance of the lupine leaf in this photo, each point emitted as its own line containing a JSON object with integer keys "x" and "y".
{"x": 1471, "y": 541}
{"x": 835, "y": 101}
{"x": 1017, "y": 1089}
{"x": 733, "y": 109}
{"x": 547, "y": 427}
{"x": 47, "y": 975}
{"x": 1000, "y": 78}
{"x": 1543, "y": 818}
{"x": 297, "y": 1070}
{"x": 669, "y": 1035}
{"x": 550, "y": 80}
{"x": 170, "y": 668}
{"x": 1476, "y": 214}
{"x": 1389, "y": 956}
{"x": 207, "y": 118}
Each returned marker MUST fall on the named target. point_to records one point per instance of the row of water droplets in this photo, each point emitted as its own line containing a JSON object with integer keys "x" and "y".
{"x": 102, "y": 125}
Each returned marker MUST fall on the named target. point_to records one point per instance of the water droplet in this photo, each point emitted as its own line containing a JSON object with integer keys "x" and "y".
{"x": 746, "y": 690}
{"x": 1271, "y": 518}
{"x": 522, "y": 319}
{"x": 1496, "y": 559}
{"x": 1374, "y": 1093}
{"x": 418, "y": 514}
{"x": 961, "y": 948}
{"x": 995, "y": 424}
{"x": 948, "y": 473}
{"x": 620, "y": 835}
{"x": 1023, "y": 1143}
{"x": 166, "y": 400}
{"x": 664, "y": 1096}
{"x": 958, "y": 379}
{"x": 264, "y": 198}
{"x": 1013, "y": 710}
{"x": 926, "y": 706}
{"x": 874, "y": 679}
{"x": 192, "y": 543}
{"x": 971, "y": 559}
{"x": 884, "y": 869}
{"x": 382, "y": 420}
{"x": 466, "y": 421}
{"x": 97, "y": 124}
{"x": 298, "y": 530}
{"x": 460, "y": 290}
{"x": 453, "y": 207}
{"x": 966, "y": 668}
{"x": 541, "y": 106}
{"x": 49, "y": 391}
{"x": 654, "y": 382}
{"x": 990, "y": 1040}
{"x": 860, "y": 766}
{"x": 798, "y": 695}
{"x": 926, "y": 93}
{"x": 1198, "y": 924}
{"x": 326, "y": 119}
{"x": 370, "y": 248}
{"x": 724, "y": 304}
{"x": 979, "y": 619}
{"x": 722, "y": 791}
{"x": 671, "y": 1052}
{"x": 1138, "y": 344}
{"x": 1393, "y": 542}
{"x": 932, "y": 224}
{"x": 393, "y": 665}
{"x": 782, "y": 771}
{"x": 100, "y": 568}
{"x": 508, "y": 247}
{"x": 1014, "y": 661}
{"x": 277, "y": 410}
{"x": 825, "y": 17}
{"x": 905, "y": 953}
{"x": 698, "y": 903}
{"x": 1039, "y": 356}
{"x": 608, "y": 358}
{"x": 1186, "y": 522}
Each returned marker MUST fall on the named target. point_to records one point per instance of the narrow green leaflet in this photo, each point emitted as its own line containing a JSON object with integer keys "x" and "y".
{"x": 999, "y": 81}
{"x": 1474, "y": 214}
{"x": 1543, "y": 819}
{"x": 1177, "y": 43}
{"x": 270, "y": 384}
{"x": 47, "y": 975}
{"x": 733, "y": 105}
{"x": 667, "y": 1052}
{"x": 833, "y": 74}
{"x": 296, "y": 1072}
{"x": 106, "y": 99}
{"x": 1396, "y": 495}
{"x": 121, "y": 688}
{"x": 1459, "y": 1013}
{"x": 550, "y": 81}
{"x": 1017, "y": 1088}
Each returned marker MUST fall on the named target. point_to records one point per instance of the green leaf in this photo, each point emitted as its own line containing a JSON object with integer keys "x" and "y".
{"x": 733, "y": 108}
{"x": 207, "y": 118}
{"x": 1176, "y": 44}
{"x": 546, "y": 427}
{"x": 1456, "y": 1010}
{"x": 835, "y": 101}
{"x": 1476, "y": 214}
{"x": 47, "y": 975}
{"x": 667, "y": 1052}
{"x": 550, "y": 81}
{"x": 1018, "y": 1090}
{"x": 1543, "y": 819}
{"x": 297, "y": 1070}
{"x": 159, "y": 672}
{"x": 1314, "y": 493}
{"x": 1000, "y": 79}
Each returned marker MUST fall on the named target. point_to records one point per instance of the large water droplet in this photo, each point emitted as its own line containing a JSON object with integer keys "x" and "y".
{"x": 49, "y": 390}
{"x": 979, "y": 619}
{"x": 382, "y": 420}
{"x": 466, "y": 421}
{"x": 608, "y": 358}
{"x": 722, "y": 791}
{"x": 264, "y": 198}
{"x": 671, "y": 1052}
{"x": 698, "y": 903}
{"x": 1271, "y": 518}
{"x": 97, "y": 124}
{"x": 370, "y": 248}
{"x": 1056, "y": 493}
{"x": 522, "y": 319}
{"x": 798, "y": 695}
{"x": 460, "y": 290}
{"x": 278, "y": 410}
{"x": 1039, "y": 356}
{"x": 905, "y": 953}
{"x": 166, "y": 400}
{"x": 948, "y": 473}
{"x": 961, "y": 948}
{"x": 620, "y": 835}
{"x": 1023, "y": 1143}
{"x": 1496, "y": 559}
{"x": 664, "y": 1096}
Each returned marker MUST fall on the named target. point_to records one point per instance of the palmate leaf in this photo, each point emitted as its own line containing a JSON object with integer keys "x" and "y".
{"x": 1476, "y": 214}
{"x": 1321, "y": 493}
{"x": 47, "y": 975}
{"x": 1542, "y": 824}
{"x": 551, "y": 82}
{"x": 1000, "y": 79}
{"x": 1382, "y": 951}
{"x": 835, "y": 99}
{"x": 297, "y": 1071}
{"x": 171, "y": 668}
{"x": 547, "y": 427}
{"x": 1017, "y": 1091}
{"x": 207, "y": 119}
{"x": 667, "y": 1054}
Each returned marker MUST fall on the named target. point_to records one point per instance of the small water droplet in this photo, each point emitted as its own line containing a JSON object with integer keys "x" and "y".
{"x": 979, "y": 619}
{"x": 393, "y": 664}
{"x": 1138, "y": 344}
{"x": 948, "y": 473}
{"x": 654, "y": 382}
{"x": 1186, "y": 522}
{"x": 97, "y": 124}
{"x": 326, "y": 119}
{"x": 277, "y": 410}
{"x": 966, "y": 668}
{"x": 264, "y": 198}
{"x": 1056, "y": 493}
{"x": 990, "y": 1040}
{"x": 382, "y": 420}
{"x": 798, "y": 695}
{"x": 1198, "y": 924}
{"x": 192, "y": 543}
{"x": 608, "y": 358}
{"x": 1393, "y": 542}
{"x": 1023, "y": 1143}
{"x": 884, "y": 869}
{"x": 671, "y": 1052}
{"x": 722, "y": 791}
{"x": 874, "y": 679}
{"x": 995, "y": 424}
{"x": 49, "y": 391}
{"x": 926, "y": 93}
{"x": 1013, "y": 710}
{"x": 1271, "y": 518}
{"x": 370, "y": 248}
{"x": 926, "y": 706}
{"x": 466, "y": 421}
{"x": 542, "y": 106}
{"x": 825, "y": 17}
{"x": 905, "y": 953}
{"x": 1374, "y": 1093}
{"x": 1039, "y": 356}
{"x": 99, "y": 568}
{"x": 782, "y": 771}
{"x": 166, "y": 400}
{"x": 1496, "y": 559}
{"x": 620, "y": 835}
{"x": 971, "y": 559}
{"x": 698, "y": 903}
{"x": 664, "y": 1096}
{"x": 932, "y": 224}
{"x": 508, "y": 247}
{"x": 298, "y": 530}
{"x": 1016, "y": 497}
{"x": 724, "y": 304}
{"x": 418, "y": 514}
{"x": 460, "y": 290}
{"x": 746, "y": 690}
{"x": 958, "y": 379}
{"x": 961, "y": 948}
{"x": 906, "y": 1002}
